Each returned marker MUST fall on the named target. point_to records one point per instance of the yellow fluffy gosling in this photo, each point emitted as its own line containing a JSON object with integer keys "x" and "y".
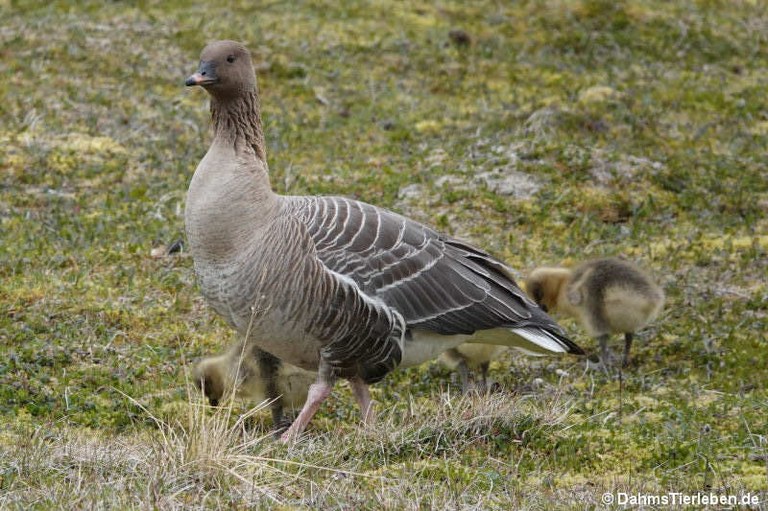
{"x": 254, "y": 375}
{"x": 607, "y": 296}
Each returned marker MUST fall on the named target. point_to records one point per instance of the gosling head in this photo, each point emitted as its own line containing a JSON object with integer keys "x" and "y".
{"x": 545, "y": 284}
{"x": 209, "y": 378}
{"x": 225, "y": 70}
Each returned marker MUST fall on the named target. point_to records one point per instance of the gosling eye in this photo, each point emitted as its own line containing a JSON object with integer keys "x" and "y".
{"x": 231, "y": 59}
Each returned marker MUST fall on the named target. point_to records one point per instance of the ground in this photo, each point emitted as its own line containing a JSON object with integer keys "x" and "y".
{"x": 545, "y": 132}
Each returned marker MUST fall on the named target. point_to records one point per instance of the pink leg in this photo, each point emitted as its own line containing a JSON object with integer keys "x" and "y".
{"x": 363, "y": 398}
{"x": 317, "y": 393}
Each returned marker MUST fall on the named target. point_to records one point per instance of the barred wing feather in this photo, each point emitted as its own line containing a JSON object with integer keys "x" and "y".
{"x": 436, "y": 283}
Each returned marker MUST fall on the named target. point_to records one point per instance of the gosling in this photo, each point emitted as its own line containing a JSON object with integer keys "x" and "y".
{"x": 607, "y": 296}
{"x": 256, "y": 376}
{"x": 467, "y": 358}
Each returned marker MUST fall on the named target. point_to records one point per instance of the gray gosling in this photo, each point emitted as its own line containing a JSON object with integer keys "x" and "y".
{"x": 254, "y": 375}
{"x": 607, "y": 296}
{"x": 467, "y": 359}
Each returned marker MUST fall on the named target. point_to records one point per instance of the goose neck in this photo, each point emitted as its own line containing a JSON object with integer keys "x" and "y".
{"x": 237, "y": 121}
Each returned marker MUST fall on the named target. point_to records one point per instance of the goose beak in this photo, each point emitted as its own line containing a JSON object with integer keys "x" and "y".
{"x": 205, "y": 75}
{"x": 194, "y": 79}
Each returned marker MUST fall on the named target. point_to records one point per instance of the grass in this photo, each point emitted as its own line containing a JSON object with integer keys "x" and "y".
{"x": 644, "y": 124}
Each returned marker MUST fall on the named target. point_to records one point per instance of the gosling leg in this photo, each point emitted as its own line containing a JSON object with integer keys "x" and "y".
{"x": 482, "y": 386}
{"x": 605, "y": 352}
{"x": 627, "y": 345}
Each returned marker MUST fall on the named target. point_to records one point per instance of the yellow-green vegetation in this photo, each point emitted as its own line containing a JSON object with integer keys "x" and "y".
{"x": 638, "y": 128}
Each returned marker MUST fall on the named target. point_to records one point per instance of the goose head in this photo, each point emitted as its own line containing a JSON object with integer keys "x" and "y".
{"x": 225, "y": 70}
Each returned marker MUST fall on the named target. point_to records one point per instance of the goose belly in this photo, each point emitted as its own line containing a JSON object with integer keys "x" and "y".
{"x": 422, "y": 346}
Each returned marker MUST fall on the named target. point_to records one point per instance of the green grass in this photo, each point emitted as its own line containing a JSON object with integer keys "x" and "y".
{"x": 645, "y": 123}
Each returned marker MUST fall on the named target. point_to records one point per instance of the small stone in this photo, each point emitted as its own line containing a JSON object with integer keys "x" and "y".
{"x": 450, "y": 180}
{"x": 412, "y": 191}
{"x": 598, "y": 94}
{"x": 505, "y": 182}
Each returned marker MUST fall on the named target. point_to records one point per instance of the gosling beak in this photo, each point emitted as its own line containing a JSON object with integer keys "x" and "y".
{"x": 205, "y": 75}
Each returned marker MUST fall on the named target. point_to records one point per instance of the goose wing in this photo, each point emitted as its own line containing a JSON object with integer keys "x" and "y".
{"x": 359, "y": 336}
{"x": 435, "y": 282}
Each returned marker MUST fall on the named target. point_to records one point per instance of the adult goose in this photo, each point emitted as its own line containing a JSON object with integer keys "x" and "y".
{"x": 328, "y": 283}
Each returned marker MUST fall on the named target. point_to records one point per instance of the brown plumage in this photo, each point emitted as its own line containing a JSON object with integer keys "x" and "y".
{"x": 607, "y": 296}
{"x": 330, "y": 284}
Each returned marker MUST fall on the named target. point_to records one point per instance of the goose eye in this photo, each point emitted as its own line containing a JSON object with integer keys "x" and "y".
{"x": 231, "y": 59}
